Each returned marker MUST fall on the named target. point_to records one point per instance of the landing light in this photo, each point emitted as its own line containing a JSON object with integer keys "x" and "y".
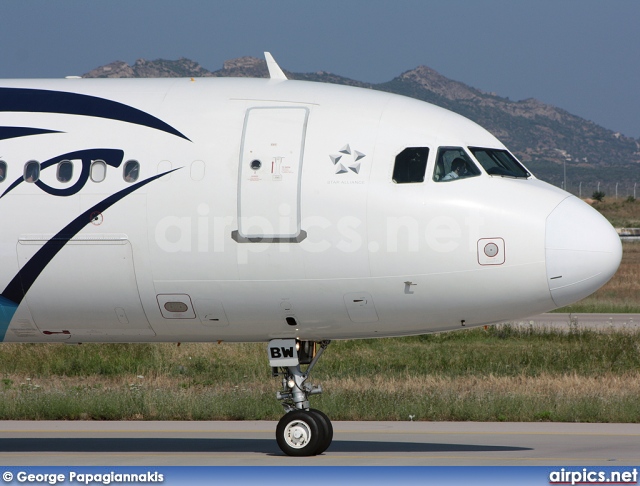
{"x": 291, "y": 384}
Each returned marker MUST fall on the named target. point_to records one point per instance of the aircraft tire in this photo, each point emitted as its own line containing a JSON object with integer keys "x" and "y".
{"x": 327, "y": 430}
{"x": 300, "y": 433}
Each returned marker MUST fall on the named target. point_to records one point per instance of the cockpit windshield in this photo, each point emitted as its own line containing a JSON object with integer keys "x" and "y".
{"x": 453, "y": 164}
{"x": 499, "y": 162}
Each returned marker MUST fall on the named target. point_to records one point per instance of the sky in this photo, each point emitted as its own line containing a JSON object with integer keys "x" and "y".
{"x": 580, "y": 55}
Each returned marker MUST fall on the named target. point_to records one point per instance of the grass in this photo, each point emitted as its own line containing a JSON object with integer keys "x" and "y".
{"x": 621, "y": 213}
{"x": 501, "y": 373}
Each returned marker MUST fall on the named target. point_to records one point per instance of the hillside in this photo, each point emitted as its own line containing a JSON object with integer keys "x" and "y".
{"x": 544, "y": 137}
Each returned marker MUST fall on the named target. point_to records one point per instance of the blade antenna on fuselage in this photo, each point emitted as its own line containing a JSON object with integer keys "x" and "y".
{"x": 274, "y": 70}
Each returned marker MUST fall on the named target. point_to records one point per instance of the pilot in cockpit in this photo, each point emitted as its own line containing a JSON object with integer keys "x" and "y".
{"x": 458, "y": 169}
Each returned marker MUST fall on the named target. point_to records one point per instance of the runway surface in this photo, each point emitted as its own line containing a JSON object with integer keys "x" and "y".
{"x": 355, "y": 443}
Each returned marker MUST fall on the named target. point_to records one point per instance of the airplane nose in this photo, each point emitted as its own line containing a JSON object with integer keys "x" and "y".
{"x": 583, "y": 251}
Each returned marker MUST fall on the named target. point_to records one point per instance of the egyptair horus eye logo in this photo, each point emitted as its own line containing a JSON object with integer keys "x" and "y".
{"x": 347, "y": 160}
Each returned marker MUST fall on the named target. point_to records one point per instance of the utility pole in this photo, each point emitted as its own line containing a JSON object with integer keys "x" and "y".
{"x": 616, "y": 190}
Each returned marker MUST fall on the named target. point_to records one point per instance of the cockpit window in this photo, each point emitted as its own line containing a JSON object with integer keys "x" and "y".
{"x": 411, "y": 165}
{"x": 3, "y": 170}
{"x": 499, "y": 162}
{"x": 453, "y": 163}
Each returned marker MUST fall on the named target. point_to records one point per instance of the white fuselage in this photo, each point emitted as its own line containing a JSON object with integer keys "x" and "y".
{"x": 267, "y": 209}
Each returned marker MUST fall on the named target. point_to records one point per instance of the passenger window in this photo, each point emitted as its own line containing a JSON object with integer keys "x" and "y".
{"x": 31, "y": 171}
{"x": 131, "y": 171}
{"x": 453, "y": 163}
{"x": 98, "y": 170}
{"x": 3, "y": 170}
{"x": 65, "y": 171}
{"x": 411, "y": 165}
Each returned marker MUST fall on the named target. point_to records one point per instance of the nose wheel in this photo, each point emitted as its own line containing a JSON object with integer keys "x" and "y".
{"x": 298, "y": 433}
{"x": 304, "y": 433}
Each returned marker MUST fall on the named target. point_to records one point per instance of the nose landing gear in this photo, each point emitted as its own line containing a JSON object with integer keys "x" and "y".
{"x": 303, "y": 431}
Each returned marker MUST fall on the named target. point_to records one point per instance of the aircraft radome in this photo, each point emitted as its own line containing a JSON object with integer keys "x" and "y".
{"x": 272, "y": 210}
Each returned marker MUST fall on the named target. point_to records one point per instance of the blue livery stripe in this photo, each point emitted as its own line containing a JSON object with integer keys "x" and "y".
{"x": 46, "y": 101}
{"x": 15, "y": 132}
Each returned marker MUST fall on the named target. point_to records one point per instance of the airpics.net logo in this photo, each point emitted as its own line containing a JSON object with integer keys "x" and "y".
{"x": 203, "y": 232}
{"x": 587, "y": 476}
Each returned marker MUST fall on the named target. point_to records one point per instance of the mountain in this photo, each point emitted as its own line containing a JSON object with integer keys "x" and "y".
{"x": 160, "y": 68}
{"x": 546, "y": 138}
